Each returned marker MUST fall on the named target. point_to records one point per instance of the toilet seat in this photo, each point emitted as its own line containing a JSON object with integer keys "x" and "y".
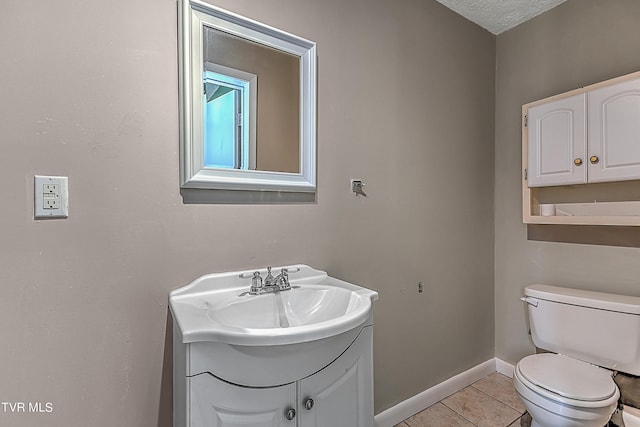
{"x": 567, "y": 380}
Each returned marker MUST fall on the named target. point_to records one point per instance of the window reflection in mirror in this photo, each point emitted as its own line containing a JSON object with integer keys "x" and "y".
{"x": 250, "y": 125}
{"x": 229, "y": 118}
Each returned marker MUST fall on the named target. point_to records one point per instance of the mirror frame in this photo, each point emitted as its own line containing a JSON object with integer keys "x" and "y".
{"x": 193, "y": 15}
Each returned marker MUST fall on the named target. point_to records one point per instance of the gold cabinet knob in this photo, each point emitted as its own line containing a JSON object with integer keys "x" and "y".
{"x": 577, "y": 161}
{"x": 594, "y": 159}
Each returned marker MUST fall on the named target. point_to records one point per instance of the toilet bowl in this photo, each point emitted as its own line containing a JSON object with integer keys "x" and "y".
{"x": 589, "y": 334}
{"x": 562, "y": 392}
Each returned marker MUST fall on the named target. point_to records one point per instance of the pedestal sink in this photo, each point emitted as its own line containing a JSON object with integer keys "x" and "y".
{"x": 228, "y": 342}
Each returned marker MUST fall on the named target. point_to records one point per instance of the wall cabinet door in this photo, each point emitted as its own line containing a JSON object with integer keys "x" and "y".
{"x": 560, "y": 150}
{"x": 341, "y": 395}
{"x": 614, "y": 132}
{"x": 215, "y": 403}
{"x": 557, "y": 139}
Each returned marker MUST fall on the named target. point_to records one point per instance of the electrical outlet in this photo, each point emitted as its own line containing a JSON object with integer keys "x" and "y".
{"x": 51, "y": 188}
{"x": 51, "y": 203}
{"x": 51, "y": 197}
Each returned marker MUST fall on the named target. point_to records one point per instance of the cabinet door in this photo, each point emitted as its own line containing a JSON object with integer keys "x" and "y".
{"x": 215, "y": 403}
{"x": 341, "y": 393}
{"x": 557, "y": 142}
{"x": 614, "y": 132}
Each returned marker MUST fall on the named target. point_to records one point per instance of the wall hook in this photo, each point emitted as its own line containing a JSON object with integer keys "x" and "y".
{"x": 357, "y": 187}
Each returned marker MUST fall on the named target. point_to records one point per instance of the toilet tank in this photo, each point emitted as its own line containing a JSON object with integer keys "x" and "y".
{"x": 595, "y": 327}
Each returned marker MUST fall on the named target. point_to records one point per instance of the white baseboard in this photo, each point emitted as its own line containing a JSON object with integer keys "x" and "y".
{"x": 423, "y": 400}
{"x": 505, "y": 368}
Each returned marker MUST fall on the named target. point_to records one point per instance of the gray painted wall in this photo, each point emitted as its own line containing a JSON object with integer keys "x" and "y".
{"x": 89, "y": 90}
{"x": 575, "y": 44}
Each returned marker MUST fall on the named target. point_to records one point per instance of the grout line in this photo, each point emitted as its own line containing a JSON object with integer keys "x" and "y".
{"x": 505, "y": 404}
{"x": 495, "y": 398}
{"x": 405, "y": 424}
{"x": 458, "y": 413}
{"x": 520, "y": 411}
{"x": 492, "y": 398}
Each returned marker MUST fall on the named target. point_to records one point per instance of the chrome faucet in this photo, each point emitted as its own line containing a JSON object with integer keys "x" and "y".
{"x": 270, "y": 283}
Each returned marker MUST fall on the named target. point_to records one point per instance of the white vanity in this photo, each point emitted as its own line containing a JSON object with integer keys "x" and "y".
{"x": 251, "y": 349}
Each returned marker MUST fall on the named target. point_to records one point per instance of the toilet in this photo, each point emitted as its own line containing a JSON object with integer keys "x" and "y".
{"x": 589, "y": 336}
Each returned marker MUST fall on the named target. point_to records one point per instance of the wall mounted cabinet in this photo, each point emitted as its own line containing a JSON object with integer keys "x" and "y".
{"x": 577, "y": 139}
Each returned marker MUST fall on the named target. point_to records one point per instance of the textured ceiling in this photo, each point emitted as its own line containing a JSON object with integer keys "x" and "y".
{"x": 498, "y": 16}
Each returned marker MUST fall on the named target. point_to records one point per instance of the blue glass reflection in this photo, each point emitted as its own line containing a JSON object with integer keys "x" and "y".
{"x": 220, "y": 147}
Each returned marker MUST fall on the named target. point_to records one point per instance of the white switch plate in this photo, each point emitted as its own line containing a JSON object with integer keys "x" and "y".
{"x": 51, "y": 197}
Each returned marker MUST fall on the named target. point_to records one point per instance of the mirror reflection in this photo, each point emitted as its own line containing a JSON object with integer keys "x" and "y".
{"x": 251, "y": 105}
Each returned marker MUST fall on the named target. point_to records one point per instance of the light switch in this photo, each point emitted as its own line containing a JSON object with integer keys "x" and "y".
{"x": 51, "y": 197}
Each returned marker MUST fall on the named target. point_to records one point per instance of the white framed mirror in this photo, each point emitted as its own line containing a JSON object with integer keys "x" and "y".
{"x": 247, "y": 94}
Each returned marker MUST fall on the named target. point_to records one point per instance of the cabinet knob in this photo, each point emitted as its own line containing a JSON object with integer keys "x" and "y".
{"x": 577, "y": 161}
{"x": 290, "y": 414}
{"x": 308, "y": 404}
{"x": 594, "y": 159}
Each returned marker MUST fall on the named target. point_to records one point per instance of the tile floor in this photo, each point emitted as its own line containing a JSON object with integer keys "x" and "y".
{"x": 489, "y": 402}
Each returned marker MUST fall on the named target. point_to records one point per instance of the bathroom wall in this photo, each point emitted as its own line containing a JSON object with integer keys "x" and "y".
{"x": 88, "y": 90}
{"x": 575, "y": 44}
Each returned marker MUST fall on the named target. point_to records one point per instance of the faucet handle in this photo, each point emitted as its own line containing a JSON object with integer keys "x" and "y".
{"x": 256, "y": 282}
{"x": 247, "y": 275}
{"x": 283, "y": 280}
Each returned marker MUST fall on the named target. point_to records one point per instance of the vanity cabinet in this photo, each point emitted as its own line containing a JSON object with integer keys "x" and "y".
{"x": 339, "y": 395}
{"x": 578, "y": 140}
{"x": 217, "y": 403}
{"x": 342, "y": 393}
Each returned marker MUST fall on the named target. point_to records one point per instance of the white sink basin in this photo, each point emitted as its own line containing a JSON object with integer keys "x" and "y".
{"x": 299, "y": 307}
{"x": 217, "y": 308}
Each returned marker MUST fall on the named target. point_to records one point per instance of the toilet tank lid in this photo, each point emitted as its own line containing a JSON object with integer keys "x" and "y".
{"x": 600, "y": 300}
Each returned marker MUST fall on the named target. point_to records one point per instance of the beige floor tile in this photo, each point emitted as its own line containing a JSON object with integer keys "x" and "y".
{"x": 401, "y": 425}
{"x": 481, "y": 409}
{"x": 500, "y": 387}
{"x": 437, "y": 415}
